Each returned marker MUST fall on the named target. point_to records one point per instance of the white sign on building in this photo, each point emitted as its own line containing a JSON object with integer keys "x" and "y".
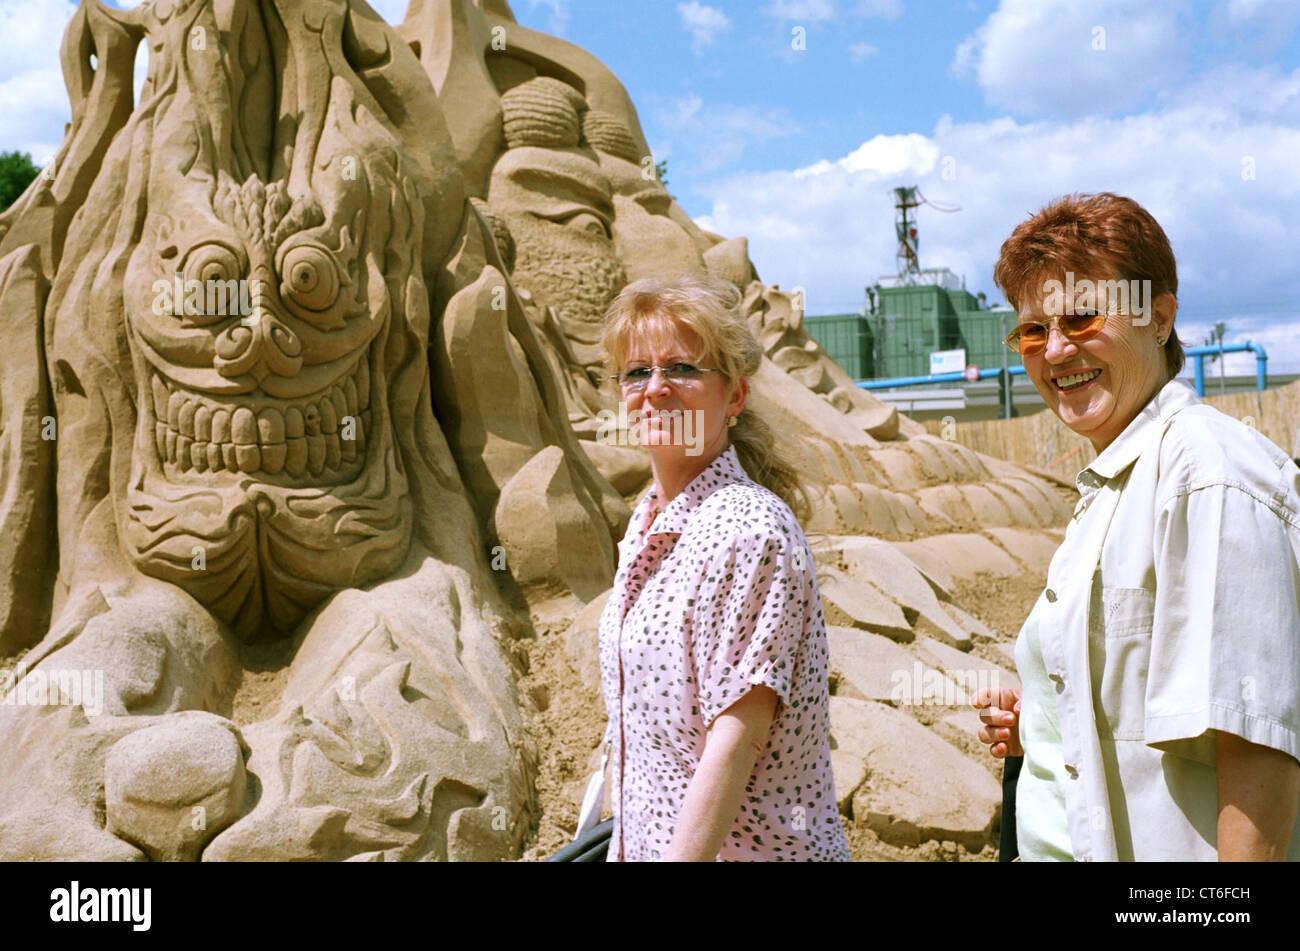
{"x": 947, "y": 361}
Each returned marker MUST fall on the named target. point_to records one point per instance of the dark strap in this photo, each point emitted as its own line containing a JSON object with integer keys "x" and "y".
{"x": 591, "y": 846}
{"x": 1007, "y": 850}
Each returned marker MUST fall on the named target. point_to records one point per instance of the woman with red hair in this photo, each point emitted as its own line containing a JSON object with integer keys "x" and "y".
{"x": 1160, "y": 712}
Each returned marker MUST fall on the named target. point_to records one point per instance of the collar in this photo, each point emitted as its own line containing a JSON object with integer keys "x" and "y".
{"x": 1173, "y": 397}
{"x": 723, "y": 470}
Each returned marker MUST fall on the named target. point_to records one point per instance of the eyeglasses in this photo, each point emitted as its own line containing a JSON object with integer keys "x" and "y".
{"x": 1031, "y": 337}
{"x": 678, "y": 374}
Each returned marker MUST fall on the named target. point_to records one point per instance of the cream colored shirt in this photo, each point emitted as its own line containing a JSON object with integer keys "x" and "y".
{"x": 1172, "y": 610}
{"x": 1042, "y": 823}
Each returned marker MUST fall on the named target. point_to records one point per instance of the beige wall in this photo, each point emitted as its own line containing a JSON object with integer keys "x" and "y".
{"x": 1042, "y": 441}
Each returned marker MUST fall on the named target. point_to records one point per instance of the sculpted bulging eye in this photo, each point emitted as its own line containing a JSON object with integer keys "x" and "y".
{"x": 212, "y": 262}
{"x": 310, "y": 278}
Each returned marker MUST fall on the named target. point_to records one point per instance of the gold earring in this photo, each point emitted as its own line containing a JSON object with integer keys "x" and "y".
{"x": 731, "y": 421}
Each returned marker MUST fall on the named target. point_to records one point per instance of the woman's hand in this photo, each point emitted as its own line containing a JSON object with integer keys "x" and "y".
{"x": 1259, "y": 788}
{"x": 736, "y": 738}
{"x": 1000, "y": 710}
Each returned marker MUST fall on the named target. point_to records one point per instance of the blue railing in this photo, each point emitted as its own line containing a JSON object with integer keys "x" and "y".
{"x": 1198, "y": 355}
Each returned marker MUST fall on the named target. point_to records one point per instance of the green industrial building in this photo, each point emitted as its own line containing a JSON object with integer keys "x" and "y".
{"x": 905, "y": 322}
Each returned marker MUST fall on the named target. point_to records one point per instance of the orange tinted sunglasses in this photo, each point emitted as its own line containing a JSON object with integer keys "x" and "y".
{"x": 1030, "y": 338}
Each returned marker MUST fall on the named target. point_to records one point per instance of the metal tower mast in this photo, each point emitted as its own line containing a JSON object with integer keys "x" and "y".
{"x": 909, "y": 265}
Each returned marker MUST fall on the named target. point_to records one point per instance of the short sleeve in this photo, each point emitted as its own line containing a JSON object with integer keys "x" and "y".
{"x": 1225, "y": 648}
{"x": 748, "y": 618}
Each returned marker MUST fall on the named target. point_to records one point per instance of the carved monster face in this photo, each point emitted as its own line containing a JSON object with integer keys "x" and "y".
{"x": 265, "y": 471}
{"x": 274, "y": 305}
{"x": 269, "y": 382}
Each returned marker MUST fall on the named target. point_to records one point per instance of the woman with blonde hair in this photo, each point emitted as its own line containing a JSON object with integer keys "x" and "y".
{"x": 713, "y": 649}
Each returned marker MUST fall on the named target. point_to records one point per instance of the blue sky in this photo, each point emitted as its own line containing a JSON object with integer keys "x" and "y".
{"x": 1192, "y": 108}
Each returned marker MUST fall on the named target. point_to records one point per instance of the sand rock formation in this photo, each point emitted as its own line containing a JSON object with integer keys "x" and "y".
{"x": 314, "y": 458}
{"x": 311, "y": 543}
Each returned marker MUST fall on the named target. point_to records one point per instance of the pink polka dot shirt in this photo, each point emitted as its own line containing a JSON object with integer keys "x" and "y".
{"x": 716, "y": 595}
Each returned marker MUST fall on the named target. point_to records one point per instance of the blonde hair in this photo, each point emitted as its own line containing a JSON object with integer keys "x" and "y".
{"x": 710, "y": 308}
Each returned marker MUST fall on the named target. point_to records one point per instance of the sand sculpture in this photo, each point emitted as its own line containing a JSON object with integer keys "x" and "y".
{"x": 377, "y": 467}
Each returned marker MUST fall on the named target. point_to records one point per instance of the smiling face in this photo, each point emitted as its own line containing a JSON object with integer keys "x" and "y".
{"x": 1097, "y": 386}
{"x": 708, "y": 401}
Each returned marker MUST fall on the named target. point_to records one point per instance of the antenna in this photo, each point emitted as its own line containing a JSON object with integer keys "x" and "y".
{"x": 909, "y": 265}
{"x": 905, "y": 226}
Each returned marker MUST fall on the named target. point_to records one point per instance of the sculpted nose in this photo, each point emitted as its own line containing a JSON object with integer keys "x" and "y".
{"x": 258, "y": 344}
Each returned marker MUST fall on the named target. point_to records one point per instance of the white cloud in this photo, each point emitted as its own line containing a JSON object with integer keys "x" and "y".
{"x": 859, "y": 52}
{"x": 710, "y": 136}
{"x": 1264, "y": 92}
{"x": 684, "y": 110}
{"x": 806, "y": 11}
{"x": 33, "y": 112}
{"x": 1271, "y": 16}
{"x": 1059, "y": 57}
{"x": 1258, "y": 29}
{"x": 33, "y": 99}
{"x": 819, "y": 11}
{"x": 30, "y": 34}
{"x": 829, "y": 226}
{"x": 703, "y": 22}
{"x": 884, "y": 9}
{"x": 882, "y": 157}
{"x": 559, "y": 18}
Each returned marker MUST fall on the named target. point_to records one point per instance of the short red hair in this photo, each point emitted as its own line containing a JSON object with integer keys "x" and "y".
{"x": 1101, "y": 235}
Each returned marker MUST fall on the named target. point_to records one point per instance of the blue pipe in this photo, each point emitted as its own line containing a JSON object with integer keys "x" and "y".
{"x": 1200, "y": 353}
{"x": 937, "y": 378}
{"x": 1197, "y": 353}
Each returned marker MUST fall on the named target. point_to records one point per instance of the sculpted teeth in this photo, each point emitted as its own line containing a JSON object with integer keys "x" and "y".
{"x": 333, "y": 452}
{"x": 326, "y": 432}
{"x": 221, "y": 426}
{"x": 349, "y": 397}
{"x": 363, "y": 386}
{"x": 270, "y": 426}
{"x": 273, "y": 458}
{"x": 315, "y": 453}
{"x": 203, "y": 424}
{"x": 295, "y": 459}
{"x": 188, "y": 409}
{"x": 329, "y": 417}
{"x": 340, "y": 402}
{"x": 160, "y": 397}
{"x": 174, "y": 403}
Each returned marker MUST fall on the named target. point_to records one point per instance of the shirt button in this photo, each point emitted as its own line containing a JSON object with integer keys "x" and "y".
{"x": 1051, "y": 596}
{"x": 1070, "y": 768}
